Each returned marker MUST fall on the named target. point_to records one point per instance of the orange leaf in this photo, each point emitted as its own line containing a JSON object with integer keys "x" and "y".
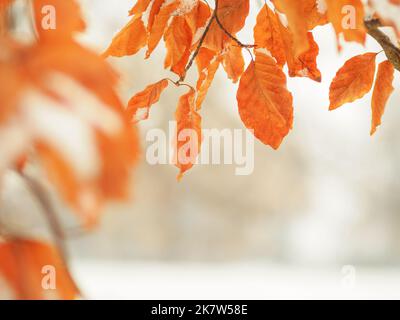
{"x": 154, "y": 11}
{"x": 84, "y": 193}
{"x": 232, "y": 15}
{"x": 188, "y": 136}
{"x": 270, "y": 34}
{"x": 353, "y": 80}
{"x": 204, "y": 59}
{"x": 83, "y": 65}
{"x": 4, "y": 4}
{"x": 267, "y": 34}
{"x": 347, "y": 17}
{"x": 65, "y": 15}
{"x": 308, "y": 9}
{"x": 12, "y": 81}
{"x": 118, "y": 155}
{"x": 178, "y": 41}
{"x": 73, "y": 190}
{"x": 157, "y": 29}
{"x": 198, "y": 16}
{"x": 61, "y": 174}
{"x": 233, "y": 61}
{"x": 129, "y": 40}
{"x": 140, "y": 7}
{"x": 294, "y": 11}
{"x": 145, "y": 99}
{"x": 21, "y": 264}
{"x": 313, "y": 14}
{"x": 382, "y": 91}
{"x": 207, "y": 64}
{"x": 304, "y": 65}
{"x": 265, "y": 104}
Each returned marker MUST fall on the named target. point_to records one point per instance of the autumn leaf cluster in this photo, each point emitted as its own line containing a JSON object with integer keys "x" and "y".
{"x": 194, "y": 32}
{"x": 60, "y": 109}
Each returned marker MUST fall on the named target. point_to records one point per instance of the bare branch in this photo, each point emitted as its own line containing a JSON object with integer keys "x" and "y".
{"x": 58, "y": 234}
{"x": 392, "y": 52}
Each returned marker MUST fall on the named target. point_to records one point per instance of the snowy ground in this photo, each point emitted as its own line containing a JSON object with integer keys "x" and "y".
{"x": 106, "y": 280}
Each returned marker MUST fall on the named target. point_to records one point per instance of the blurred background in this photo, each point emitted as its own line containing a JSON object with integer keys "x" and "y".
{"x": 319, "y": 218}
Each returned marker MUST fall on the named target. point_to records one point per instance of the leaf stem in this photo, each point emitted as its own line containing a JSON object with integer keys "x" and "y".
{"x": 179, "y": 83}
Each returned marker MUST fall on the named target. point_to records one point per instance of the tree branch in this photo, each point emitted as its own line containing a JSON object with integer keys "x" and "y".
{"x": 55, "y": 226}
{"x": 196, "y": 53}
{"x": 392, "y": 52}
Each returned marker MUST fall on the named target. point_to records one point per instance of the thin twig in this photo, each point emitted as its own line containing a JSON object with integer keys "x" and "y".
{"x": 227, "y": 32}
{"x": 179, "y": 83}
{"x": 196, "y": 53}
{"x": 55, "y": 226}
{"x": 213, "y": 18}
{"x": 57, "y": 231}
